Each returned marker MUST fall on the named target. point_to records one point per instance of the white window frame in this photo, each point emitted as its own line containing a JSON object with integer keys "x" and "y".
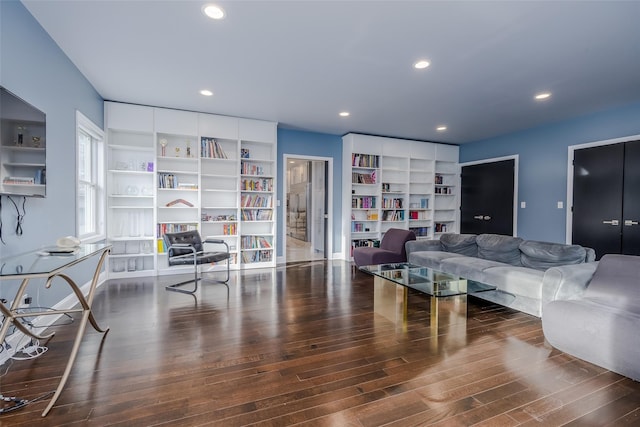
{"x": 97, "y": 183}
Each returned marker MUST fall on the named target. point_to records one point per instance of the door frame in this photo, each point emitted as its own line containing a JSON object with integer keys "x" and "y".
{"x": 328, "y": 250}
{"x": 570, "y": 156}
{"x": 515, "y": 159}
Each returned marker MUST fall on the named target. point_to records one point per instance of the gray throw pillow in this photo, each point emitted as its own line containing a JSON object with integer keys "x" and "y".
{"x": 463, "y": 244}
{"x": 499, "y": 248}
{"x": 544, "y": 255}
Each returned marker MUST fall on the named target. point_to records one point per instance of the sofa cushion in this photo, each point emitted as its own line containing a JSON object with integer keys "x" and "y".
{"x": 544, "y": 255}
{"x": 515, "y": 280}
{"x": 616, "y": 282}
{"x": 499, "y": 248}
{"x": 431, "y": 259}
{"x": 464, "y": 244}
{"x": 467, "y": 267}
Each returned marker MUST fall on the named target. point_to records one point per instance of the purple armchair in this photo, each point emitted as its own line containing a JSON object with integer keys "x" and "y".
{"x": 391, "y": 249}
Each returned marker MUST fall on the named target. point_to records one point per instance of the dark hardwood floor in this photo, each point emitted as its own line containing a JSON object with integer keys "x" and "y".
{"x": 302, "y": 345}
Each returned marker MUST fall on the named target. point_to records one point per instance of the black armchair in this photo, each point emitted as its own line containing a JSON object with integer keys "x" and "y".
{"x": 186, "y": 248}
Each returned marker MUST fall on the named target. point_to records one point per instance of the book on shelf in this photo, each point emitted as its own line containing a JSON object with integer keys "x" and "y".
{"x": 164, "y": 228}
{"x": 364, "y": 160}
{"x": 210, "y": 148}
{"x": 363, "y": 178}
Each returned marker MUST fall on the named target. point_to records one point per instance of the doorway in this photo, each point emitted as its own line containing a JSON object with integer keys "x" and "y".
{"x": 307, "y": 212}
{"x": 489, "y": 196}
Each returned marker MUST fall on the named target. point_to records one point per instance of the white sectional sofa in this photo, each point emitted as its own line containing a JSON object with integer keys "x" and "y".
{"x": 528, "y": 274}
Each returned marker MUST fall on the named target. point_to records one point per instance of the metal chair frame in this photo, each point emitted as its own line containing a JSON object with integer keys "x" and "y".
{"x": 197, "y": 273}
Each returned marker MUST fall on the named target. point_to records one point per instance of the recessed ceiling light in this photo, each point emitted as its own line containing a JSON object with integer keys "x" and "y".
{"x": 344, "y": 114}
{"x": 206, "y": 92}
{"x": 543, "y": 95}
{"x": 421, "y": 64}
{"x": 213, "y": 11}
{"x": 441, "y": 128}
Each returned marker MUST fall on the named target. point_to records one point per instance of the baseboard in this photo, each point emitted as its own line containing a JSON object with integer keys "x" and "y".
{"x": 18, "y": 341}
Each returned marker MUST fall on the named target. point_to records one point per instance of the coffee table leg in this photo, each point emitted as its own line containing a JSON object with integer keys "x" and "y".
{"x": 390, "y": 301}
{"x": 448, "y": 317}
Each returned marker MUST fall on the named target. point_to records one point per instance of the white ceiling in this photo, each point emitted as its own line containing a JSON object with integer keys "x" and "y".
{"x": 302, "y": 62}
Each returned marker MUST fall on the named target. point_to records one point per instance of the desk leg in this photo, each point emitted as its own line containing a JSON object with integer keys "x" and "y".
{"x": 10, "y": 318}
{"x": 86, "y": 315}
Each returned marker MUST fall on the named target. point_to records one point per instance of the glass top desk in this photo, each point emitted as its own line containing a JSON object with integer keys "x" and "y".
{"x": 448, "y": 292}
{"x": 43, "y": 264}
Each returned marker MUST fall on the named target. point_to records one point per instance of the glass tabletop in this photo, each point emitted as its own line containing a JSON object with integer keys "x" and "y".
{"x": 47, "y": 260}
{"x": 426, "y": 280}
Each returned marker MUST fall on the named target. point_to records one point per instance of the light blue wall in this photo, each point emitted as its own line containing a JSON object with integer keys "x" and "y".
{"x": 301, "y": 143}
{"x": 543, "y": 156}
{"x": 33, "y": 67}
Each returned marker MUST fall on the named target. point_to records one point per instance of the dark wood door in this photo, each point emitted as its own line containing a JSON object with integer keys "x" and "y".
{"x": 597, "y": 198}
{"x": 486, "y": 204}
{"x": 631, "y": 201}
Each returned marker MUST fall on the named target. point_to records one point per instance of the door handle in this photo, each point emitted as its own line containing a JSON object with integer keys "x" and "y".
{"x": 480, "y": 217}
{"x": 629, "y": 222}
{"x": 486, "y": 218}
{"x": 611, "y": 222}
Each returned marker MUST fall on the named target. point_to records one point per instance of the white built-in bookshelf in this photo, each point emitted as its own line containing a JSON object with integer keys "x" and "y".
{"x": 195, "y": 179}
{"x": 395, "y": 183}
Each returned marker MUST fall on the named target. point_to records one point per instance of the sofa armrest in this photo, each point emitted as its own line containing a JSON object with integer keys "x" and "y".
{"x": 422, "y": 245}
{"x": 566, "y": 282}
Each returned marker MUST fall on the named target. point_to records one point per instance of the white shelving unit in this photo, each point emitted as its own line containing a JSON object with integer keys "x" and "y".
{"x": 193, "y": 178}
{"x": 220, "y": 181}
{"x": 393, "y": 185}
{"x": 257, "y": 194}
{"x": 23, "y": 166}
{"x": 421, "y": 176}
{"x": 130, "y": 190}
{"x": 395, "y": 189}
{"x": 446, "y": 188}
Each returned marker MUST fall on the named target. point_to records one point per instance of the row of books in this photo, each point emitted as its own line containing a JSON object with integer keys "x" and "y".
{"x": 363, "y": 202}
{"x": 247, "y": 168}
{"x": 393, "y": 216}
{"x": 257, "y": 256}
{"x": 363, "y": 178}
{"x": 418, "y": 215}
{"x": 162, "y": 229}
{"x": 359, "y": 227}
{"x": 420, "y": 231}
{"x": 420, "y": 204}
{"x": 257, "y": 215}
{"x": 444, "y": 190}
{"x": 230, "y": 229}
{"x": 365, "y": 160}
{"x": 264, "y": 184}
{"x": 441, "y": 227}
{"x": 392, "y": 203}
{"x": 169, "y": 180}
{"x": 255, "y": 242}
{"x": 256, "y": 201}
{"x": 210, "y": 148}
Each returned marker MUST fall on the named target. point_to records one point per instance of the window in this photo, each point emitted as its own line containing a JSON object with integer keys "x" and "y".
{"x": 90, "y": 180}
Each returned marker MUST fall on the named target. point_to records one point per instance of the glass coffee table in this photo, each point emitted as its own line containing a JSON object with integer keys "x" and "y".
{"x": 448, "y": 293}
